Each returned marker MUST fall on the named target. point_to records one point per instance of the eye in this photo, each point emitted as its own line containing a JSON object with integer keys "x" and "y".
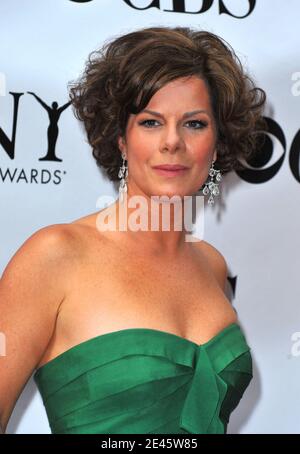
{"x": 146, "y": 122}
{"x": 201, "y": 124}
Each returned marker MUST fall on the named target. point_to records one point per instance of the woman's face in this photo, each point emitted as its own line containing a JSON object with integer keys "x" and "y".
{"x": 169, "y": 135}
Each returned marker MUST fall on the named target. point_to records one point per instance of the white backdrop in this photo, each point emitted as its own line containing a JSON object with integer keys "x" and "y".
{"x": 44, "y": 45}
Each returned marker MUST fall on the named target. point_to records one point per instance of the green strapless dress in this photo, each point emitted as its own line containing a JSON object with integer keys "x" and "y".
{"x": 146, "y": 381}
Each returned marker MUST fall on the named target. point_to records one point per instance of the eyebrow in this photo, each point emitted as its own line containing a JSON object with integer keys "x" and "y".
{"x": 185, "y": 115}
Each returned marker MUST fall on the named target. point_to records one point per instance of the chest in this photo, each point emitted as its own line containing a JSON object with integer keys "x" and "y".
{"x": 115, "y": 290}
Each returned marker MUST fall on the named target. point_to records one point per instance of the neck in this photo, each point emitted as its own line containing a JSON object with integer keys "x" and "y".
{"x": 158, "y": 225}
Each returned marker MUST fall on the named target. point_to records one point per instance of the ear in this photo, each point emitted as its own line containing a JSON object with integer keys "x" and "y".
{"x": 121, "y": 144}
{"x": 215, "y": 155}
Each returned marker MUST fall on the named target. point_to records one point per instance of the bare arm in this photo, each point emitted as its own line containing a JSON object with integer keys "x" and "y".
{"x": 32, "y": 288}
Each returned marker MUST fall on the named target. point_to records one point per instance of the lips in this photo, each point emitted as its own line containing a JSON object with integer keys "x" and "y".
{"x": 170, "y": 170}
{"x": 170, "y": 167}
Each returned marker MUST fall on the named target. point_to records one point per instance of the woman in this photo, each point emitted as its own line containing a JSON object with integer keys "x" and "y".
{"x": 127, "y": 330}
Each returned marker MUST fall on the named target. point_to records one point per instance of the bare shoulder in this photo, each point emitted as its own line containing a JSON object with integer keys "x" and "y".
{"x": 215, "y": 260}
{"x": 58, "y": 235}
{"x": 55, "y": 241}
{"x": 45, "y": 252}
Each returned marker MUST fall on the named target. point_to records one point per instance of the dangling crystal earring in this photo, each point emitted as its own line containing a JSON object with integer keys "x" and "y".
{"x": 123, "y": 174}
{"x": 212, "y": 187}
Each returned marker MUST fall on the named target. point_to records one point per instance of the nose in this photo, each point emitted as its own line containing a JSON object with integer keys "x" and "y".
{"x": 171, "y": 140}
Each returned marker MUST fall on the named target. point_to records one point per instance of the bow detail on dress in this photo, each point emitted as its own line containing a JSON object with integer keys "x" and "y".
{"x": 200, "y": 413}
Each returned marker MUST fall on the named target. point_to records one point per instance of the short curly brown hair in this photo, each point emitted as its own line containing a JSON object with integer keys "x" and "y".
{"x": 121, "y": 77}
